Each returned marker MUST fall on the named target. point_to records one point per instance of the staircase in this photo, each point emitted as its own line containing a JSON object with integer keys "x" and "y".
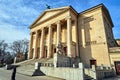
{"x": 86, "y": 77}
{"x": 28, "y": 67}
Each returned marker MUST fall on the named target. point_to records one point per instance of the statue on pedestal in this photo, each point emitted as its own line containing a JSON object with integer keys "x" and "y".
{"x": 60, "y": 49}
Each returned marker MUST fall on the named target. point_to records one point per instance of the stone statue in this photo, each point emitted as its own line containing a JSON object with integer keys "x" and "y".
{"x": 60, "y": 49}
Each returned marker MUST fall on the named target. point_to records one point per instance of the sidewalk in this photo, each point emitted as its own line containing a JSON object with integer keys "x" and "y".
{"x": 6, "y": 75}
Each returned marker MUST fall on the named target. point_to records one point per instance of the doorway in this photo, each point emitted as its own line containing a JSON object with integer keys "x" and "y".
{"x": 117, "y": 67}
{"x": 93, "y": 62}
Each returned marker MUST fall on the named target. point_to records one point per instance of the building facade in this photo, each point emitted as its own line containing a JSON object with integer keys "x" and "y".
{"x": 87, "y": 35}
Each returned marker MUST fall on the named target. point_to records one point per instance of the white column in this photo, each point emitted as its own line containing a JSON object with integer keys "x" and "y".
{"x": 58, "y": 32}
{"x": 42, "y": 43}
{"x": 36, "y": 46}
{"x": 77, "y": 36}
{"x": 69, "y": 37}
{"x": 49, "y": 55}
{"x": 30, "y": 46}
{"x": 83, "y": 36}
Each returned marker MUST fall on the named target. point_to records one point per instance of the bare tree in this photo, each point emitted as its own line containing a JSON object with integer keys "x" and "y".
{"x": 20, "y": 46}
{"x": 5, "y": 56}
{"x": 3, "y": 47}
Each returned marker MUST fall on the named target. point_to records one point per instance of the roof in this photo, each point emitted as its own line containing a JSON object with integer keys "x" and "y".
{"x": 104, "y": 9}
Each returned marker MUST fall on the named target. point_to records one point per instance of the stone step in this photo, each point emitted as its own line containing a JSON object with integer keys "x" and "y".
{"x": 28, "y": 67}
{"x": 86, "y": 77}
{"x": 26, "y": 70}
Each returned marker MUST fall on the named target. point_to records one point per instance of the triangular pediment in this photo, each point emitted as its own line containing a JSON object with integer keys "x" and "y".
{"x": 48, "y": 14}
{"x": 51, "y": 13}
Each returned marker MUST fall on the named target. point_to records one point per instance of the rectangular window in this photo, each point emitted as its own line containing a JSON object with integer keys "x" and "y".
{"x": 93, "y": 62}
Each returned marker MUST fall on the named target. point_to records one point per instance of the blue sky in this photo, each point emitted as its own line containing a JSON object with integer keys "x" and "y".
{"x": 17, "y": 15}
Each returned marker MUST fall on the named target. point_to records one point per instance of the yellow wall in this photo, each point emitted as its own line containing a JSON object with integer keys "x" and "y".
{"x": 114, "y": 57}
{"x": 95, "y": 45}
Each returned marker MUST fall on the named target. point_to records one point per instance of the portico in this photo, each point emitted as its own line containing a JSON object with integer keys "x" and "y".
{"x": 44, "y": 40}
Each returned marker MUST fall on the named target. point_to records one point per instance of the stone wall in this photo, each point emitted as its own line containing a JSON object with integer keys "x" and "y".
{"x": 64, "y": 73}
{"x": 61, "y": 61}
{"x": 92, "y": 40}
{"x": 97, "y": 73}
{"x": 105, "y": 73}
{"x": 114, "y": 55}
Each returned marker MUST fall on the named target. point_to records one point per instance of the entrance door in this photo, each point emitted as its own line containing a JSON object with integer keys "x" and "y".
{"x": 93, "y": 62}
{"x": 117, "y": 67}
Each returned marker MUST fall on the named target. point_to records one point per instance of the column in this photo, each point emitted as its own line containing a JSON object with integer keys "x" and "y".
{"x": 36, "y": 46}
{"x": 30, "y": 46}
{"x": 69, "y": 37}
{"x": 49, "y": 55}
{"x": 77, "y": 36}
{"x": 42, "y": 43}
{"x": 83, "y": 36}
{"x": 58, "y": 32}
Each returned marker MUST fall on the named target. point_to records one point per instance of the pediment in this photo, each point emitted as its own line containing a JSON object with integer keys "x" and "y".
{"x": 48, "y": 14}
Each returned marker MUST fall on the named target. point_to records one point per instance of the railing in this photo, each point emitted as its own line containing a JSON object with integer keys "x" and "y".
{"x": 47, "y": 64}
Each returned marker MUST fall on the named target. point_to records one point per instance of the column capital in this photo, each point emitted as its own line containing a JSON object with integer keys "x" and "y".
{"x": 58, "y": 22}
{"x": 36, "y": 31}
{"x": 49, "y": 25}
{"x": 42, "y": 28}
{"x": 68, "y": 17}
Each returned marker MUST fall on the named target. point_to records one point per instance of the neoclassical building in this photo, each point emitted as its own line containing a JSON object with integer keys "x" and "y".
{"x": 86, "y": 35}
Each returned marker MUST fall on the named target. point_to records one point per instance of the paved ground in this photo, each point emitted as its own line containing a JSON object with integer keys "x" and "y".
{"x": 6, "y": 75}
